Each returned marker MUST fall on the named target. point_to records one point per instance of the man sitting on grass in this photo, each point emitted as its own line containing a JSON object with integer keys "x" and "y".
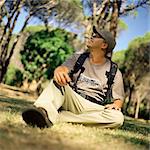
{"x": 87, "y": 89}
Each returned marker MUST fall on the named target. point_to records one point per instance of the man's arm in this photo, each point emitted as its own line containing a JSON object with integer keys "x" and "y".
{"x": 61, "y": 75}
{"x": 117, "y": 93}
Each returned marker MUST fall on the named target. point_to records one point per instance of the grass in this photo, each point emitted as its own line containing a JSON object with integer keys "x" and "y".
{"x": 16, "y": 135}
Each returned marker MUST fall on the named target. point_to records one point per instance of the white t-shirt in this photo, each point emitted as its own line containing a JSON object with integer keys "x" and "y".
{"x": 93, "y": 81}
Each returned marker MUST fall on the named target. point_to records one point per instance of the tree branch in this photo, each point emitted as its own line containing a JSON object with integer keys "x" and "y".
{"x": 102, "y": 8}
{"x": 9, "y": 22}
{"x": 6, "y": 43}
{"x": 2, "y": 3}
{"x": 130, "y": 8}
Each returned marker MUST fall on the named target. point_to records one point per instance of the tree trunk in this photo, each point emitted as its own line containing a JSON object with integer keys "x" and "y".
{"x": 114, "y": 18}
{"x": 4, "y": 49}
{"x": 12, "y": 50}
{"x": 137, "y": 104}
{"x": 1, "y": 7}
{"x": 130, "y": 95}
{"x": 10, "y": 19}
{"x": 5, "y": 42}
{"x": 5, "y": 54}
{"x": 101, "y": 20}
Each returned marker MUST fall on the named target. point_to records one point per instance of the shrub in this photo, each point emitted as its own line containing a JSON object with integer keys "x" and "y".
{"x": 13, "y": 77}
{"x": 43, "y": 52}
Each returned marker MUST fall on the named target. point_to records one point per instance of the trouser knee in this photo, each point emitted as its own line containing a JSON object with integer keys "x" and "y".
{"x": 118, "y": 118}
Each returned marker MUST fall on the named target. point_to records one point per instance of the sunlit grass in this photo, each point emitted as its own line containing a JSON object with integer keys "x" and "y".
{"x": 133, "y": 135}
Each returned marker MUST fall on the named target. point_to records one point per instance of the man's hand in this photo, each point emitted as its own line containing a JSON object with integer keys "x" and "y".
{"x": 61, "y": 75}
{"x": 116, "y": 105}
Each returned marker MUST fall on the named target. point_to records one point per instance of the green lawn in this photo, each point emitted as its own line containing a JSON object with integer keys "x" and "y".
{"x": 16, "y": 135}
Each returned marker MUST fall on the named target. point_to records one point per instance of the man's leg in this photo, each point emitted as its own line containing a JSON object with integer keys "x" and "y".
{"x": 76, "y": 108}
{"x": 105, "y": 119}
{"x": 51, "y": 99}
{"x": 45, "y": 113}
{"x": 79, "y": 110}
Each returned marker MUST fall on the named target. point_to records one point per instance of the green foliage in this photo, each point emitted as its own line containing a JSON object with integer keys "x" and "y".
{"x": 32, "y": 29}
{"x": 122, "y": 25}
{"x": 44, "y": 51}
{"x": 137, "y": 55}
{"x": 135, "y": 52}
{"x": 119, "y": 57}
{"x": 13, "y": 76}
{"x": 138, "y": 41}
{"x": 136, "y": 66}
{"x": 74, "y": 13}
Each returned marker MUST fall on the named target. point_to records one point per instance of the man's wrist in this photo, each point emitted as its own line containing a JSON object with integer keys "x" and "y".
{"x": 118, "y": 103}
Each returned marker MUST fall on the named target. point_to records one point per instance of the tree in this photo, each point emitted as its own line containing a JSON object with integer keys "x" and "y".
{"x": 68, "y": 12}
{"x": 137, "y": 66}
{"x": 10, "y": 11}
{"x": 44, "y": 51}
{"x": 106, "y": 13}
{"x": 138, "y": 52}
{"x": 44, "y": 10}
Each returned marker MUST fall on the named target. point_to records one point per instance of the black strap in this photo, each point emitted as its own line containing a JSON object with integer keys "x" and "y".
{"x": 78, "y": 66}
{"x": 110, "y": 76}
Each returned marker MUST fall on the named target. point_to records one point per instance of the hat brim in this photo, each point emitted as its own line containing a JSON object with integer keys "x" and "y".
{"x": 95, "y": 30}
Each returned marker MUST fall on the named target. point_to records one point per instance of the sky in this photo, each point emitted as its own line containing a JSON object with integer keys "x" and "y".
{"x": 137, "y": 26}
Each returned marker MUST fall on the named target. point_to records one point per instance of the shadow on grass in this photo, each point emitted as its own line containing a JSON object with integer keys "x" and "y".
{"x": 14, "y": 105}
{"x": 132, "y": 131}
{"x": 135, "y": 140}
{"x": 135, "y": 128}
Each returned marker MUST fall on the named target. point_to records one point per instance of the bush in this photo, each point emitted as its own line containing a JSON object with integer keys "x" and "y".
{"x": 13, "y": 77}
{"x": 43, "y": 52}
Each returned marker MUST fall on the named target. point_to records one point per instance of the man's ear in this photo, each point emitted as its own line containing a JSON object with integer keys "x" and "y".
{"x": 105, "y": 45}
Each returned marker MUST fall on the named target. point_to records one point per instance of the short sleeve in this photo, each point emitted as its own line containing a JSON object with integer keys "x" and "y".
{"x": 70, "y": 62}
{"x": 118, "y": 87}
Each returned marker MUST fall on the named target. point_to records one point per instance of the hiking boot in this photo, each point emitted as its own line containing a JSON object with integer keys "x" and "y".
{"x": 36, "y": 117}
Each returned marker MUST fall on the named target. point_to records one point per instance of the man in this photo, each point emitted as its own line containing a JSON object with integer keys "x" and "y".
{"x": 86, "y": 103}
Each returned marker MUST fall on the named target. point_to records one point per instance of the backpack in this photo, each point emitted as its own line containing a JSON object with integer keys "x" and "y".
{"x": 110, "y": 74}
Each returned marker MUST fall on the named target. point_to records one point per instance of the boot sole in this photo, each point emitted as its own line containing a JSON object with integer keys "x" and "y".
{"x": 35, "y": 118}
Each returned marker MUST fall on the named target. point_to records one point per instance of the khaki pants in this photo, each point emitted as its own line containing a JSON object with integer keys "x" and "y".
{"x": 75, "y": 108}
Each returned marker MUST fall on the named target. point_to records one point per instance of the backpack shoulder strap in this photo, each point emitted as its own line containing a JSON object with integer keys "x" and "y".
{"x": 110, "y": 76}
{"x": 79, "y": 63}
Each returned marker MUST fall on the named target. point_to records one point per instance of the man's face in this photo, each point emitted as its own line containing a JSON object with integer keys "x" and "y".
{"x": 96, "y": 42}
